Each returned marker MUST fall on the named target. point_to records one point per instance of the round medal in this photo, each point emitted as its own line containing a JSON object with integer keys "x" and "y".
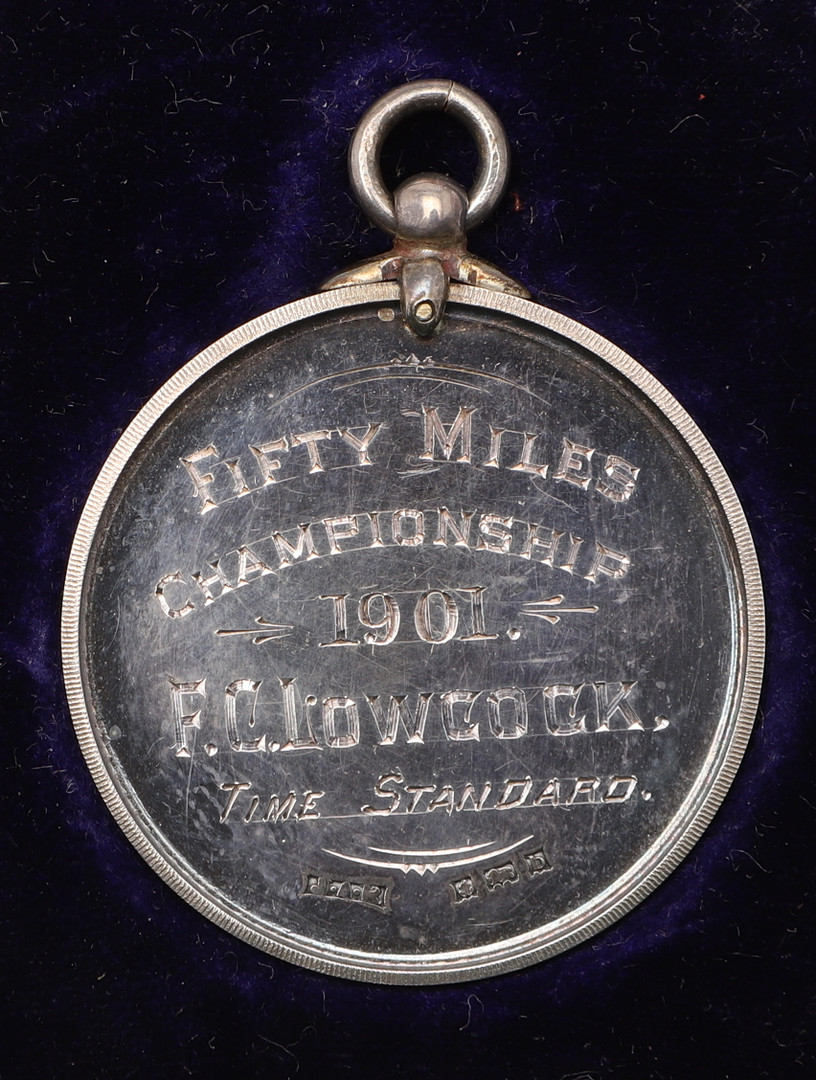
{"x": 412, "y": 631}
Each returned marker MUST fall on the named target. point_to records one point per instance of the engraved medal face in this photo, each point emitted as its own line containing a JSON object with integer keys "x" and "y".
{"x": 408, "y": 660}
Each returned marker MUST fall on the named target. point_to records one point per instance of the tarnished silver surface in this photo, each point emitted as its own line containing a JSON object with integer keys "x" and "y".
{"x": 413, "y": 660}
{"x": 413, "y": 650}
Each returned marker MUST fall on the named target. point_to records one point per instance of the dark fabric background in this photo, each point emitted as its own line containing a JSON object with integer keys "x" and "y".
{"x": 170, "y": 170}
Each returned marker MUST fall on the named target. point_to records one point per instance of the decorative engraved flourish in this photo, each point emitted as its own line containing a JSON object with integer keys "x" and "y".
{"x": 536, "y": 609}
{"x": 430, "y": 861}
{"x": 435, "y": 852}
{"x": 270, "y": 632}
{"x": 413, "y": 361}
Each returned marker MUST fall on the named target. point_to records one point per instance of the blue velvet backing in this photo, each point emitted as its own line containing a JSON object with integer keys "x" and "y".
{"x": 173, "y": 169}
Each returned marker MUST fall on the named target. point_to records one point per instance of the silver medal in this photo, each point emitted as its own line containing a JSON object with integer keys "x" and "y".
{"x": 412, "y": 631}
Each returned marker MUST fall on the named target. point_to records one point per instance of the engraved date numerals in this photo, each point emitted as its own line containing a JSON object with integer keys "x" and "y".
{"x": 438, "y": 615}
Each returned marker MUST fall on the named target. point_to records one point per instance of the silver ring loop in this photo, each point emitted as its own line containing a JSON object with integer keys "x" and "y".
{"x": 423, "y": 96}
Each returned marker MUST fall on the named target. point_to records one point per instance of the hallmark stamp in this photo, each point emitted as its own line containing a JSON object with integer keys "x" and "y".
{"x": 369, "y": 892}
{"x": 479, "y": 883}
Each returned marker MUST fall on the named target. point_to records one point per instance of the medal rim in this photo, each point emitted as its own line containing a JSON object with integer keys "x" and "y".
{"x": 673, "y": 843}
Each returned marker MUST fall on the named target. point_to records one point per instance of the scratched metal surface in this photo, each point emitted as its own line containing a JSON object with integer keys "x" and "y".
{"x": 411, "y": 660}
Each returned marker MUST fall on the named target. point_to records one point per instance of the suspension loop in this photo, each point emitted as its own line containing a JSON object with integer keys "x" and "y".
{"x": 427, "y": 96}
